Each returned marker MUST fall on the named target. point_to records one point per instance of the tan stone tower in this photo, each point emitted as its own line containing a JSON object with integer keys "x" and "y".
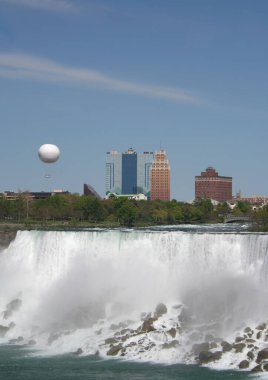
{"x": 160, "y": 177}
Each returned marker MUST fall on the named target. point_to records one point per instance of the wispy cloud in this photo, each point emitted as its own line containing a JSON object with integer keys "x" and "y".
{"x": 21, "y": 66}
{"x": 47, "y": 5}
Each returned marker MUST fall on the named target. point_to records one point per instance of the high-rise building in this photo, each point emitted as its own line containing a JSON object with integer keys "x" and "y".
{"x": 212, "y": 186}
{"x": 113, "y": 174}
{"x": 128, "y": 173}
{"x": 160, "y": 177}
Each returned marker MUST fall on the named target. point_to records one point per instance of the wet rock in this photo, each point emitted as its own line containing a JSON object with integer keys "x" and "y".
{"x": 147, "y": 325}
{"x": 208, "y": 356}
{"x": 239, "y": 347}
{"x": 172, "y": 344}
{"x": 249, "y": 340}
{"x": 79, "y": 351}
{"x": 244, "y": 364}
{"x": 265, "y": 367}
{"x": 3, "y": 330}
{"x": 131, "y": 344}
{"x": 52, "y": 337}
{"x": 126, "y": 337}
{"x": 110, "y": 341}
{"x": 259, "y": 334}
{"x": 262, "y": 326}
{"x": 262, "y": 355}
{"x": 250, "y": 355}
{"x": 114, "y": 350}
{"x": 160, "y": 310}
{"x": 11, "y": 307}
{"x": 205, "y": 356}
{"x": 197, "y": 348}
{"x": 258, "y": 368}
{"x": 226, "y": 346}
{"x": 172, "y": 332}
{"x": 32, "y": 342}
{"x": 248, "y": 330}
{"x": 212, "y": 345}
{"x": 16, "y": 340}
{"x": 239, "y": 339}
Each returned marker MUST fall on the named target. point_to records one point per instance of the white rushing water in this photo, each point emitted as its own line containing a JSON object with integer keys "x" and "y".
{"x": 67, "y": 290}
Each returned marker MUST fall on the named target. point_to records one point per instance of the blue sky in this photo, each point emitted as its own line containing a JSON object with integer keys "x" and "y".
{"x": 189, "y": 76}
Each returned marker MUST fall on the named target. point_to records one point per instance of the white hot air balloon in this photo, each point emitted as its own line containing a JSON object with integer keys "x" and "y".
{"x": 49, "y": 153}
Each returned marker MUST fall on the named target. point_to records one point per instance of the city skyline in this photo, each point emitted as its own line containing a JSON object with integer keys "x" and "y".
{"x": 189, "y": 77}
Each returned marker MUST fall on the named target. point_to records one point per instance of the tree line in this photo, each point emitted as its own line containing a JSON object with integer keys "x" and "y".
{"x": 74, "y": 209}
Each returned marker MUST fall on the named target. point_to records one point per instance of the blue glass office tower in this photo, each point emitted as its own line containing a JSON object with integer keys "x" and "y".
{"x": 128, "y": 173}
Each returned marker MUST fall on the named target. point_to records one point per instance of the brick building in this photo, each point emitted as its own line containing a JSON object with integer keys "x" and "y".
{"x": 160, "y": 177}
{"x": 212, "y": 186}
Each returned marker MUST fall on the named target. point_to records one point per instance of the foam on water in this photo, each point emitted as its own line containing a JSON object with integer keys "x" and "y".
{"x": 80, "y": 288}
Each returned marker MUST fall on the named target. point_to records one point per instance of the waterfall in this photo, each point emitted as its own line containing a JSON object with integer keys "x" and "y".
{"x": 64, "y": 290}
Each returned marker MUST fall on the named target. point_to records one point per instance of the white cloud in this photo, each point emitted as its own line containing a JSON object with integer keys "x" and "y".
{"x": 48, "y": 5}
{"x": 21, "y": 66}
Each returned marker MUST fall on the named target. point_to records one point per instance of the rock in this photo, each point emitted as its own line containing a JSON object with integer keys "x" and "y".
{"x": 226, "y": 346}
{"x": 114, "y": 350}
{"x": 3, "y": 330}
{"x": 239, "y": 347}
{"x": 110, "y": 341}
{"x": 250, "y": 355}
{"x": 147, "y": 325}
{"x": 160, "y": 310}
{"x": 52, "y": 337}
{"x": 249, "y": 340}
{"x": 205, "y": 356}
{"x": 32, "y": 342}
{"x": 197, "y": 348}
{"x": 131, "y": 344}
{"x": 258, "y": 336}
{"x": 247, "y": 330}
{"x": 262, "y": 326}
{"x": 265, "y": 367}
{"x": 212, "y": 345}
{"x": 12, "y": 306}
{"x": 244, "y": 364}
{"x": 16, "y": 340}
{"x": 258, "y": 368}
{"x": 262, "y": 355}
{"x": 208, "y": 356}
{"x": 172, "y": 332}
{"x": 124, "y": 338}
{"x": 79, "y": 351}
{"x": 172, "y": 344}
{"x": 239, "y": 339}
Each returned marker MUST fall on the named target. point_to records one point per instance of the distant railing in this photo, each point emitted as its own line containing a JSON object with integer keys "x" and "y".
{"x": 236, "y": 219}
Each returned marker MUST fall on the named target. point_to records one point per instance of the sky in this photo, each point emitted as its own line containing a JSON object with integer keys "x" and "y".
{"x": 187, "y": 76}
